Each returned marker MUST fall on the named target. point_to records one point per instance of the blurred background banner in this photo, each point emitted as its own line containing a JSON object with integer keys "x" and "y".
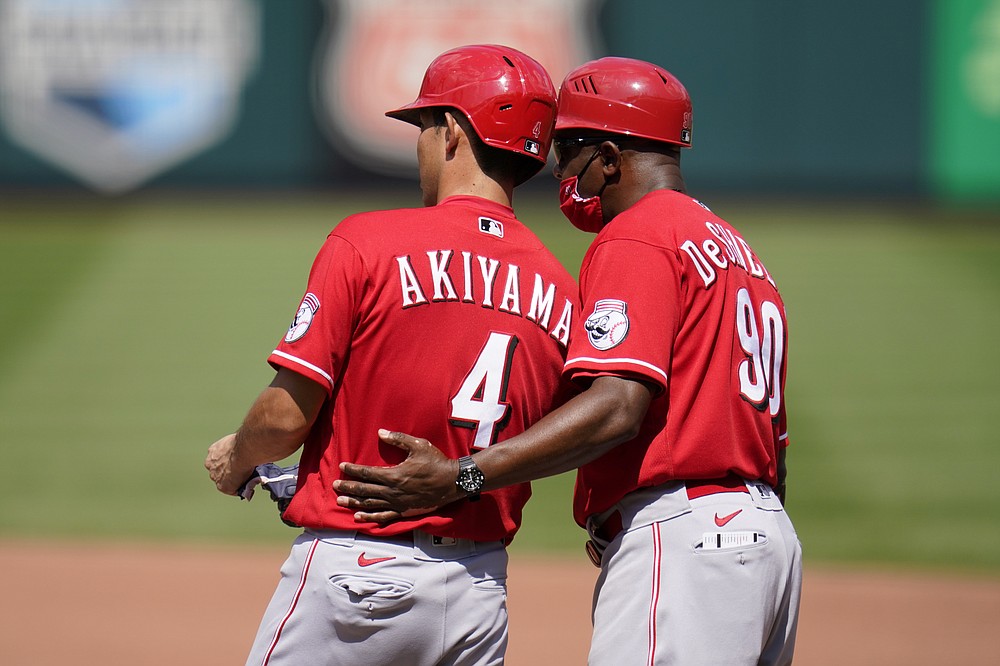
{"x": 851, "y": 98}
{"x": 965, "y": 132}
{"x": 114, "y": 92}
{"x": 373, "y": 55}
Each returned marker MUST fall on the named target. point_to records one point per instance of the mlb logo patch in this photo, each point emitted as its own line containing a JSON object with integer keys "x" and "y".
{"x": 532, "y": 147}
{"x": 491, "y": 227}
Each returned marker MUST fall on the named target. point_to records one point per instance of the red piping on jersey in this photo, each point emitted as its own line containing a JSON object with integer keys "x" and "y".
{"x": 655, "y": 598}
{"x": 295, "y": 601}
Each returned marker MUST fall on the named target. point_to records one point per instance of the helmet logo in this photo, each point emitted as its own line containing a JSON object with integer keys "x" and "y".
{"x": 537, "y": 129}
{"x": 532, "y": 147}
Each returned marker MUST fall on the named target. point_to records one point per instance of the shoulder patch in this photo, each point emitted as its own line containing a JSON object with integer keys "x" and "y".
{"x": 303, "y": 318}
{"x": 608, "y": 325}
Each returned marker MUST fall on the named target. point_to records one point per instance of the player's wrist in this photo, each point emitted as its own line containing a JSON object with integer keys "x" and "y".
{"x": 241, "y": 465}
{"x": 469, "y": 478}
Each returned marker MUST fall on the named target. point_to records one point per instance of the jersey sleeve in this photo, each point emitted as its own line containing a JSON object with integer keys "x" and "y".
{"x": 631, "y": 300}
{"x": 319, "y": 337}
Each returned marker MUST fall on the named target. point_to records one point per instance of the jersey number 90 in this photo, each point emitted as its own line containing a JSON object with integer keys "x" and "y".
{"x": 763, "y": 344}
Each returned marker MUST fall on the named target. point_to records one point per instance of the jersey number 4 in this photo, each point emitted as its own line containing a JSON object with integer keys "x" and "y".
{"x": 481, "y": 402}
{"x": 763, "y": 344}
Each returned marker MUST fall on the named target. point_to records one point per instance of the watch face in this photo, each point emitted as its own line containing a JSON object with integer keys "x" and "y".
{"x": 470, "y": 480}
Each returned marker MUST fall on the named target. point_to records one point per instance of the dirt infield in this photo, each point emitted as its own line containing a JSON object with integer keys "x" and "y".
{"x": 134, "y": 604}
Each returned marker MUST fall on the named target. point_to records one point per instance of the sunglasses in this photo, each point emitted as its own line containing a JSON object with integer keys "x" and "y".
{"x": 561, "y": 146}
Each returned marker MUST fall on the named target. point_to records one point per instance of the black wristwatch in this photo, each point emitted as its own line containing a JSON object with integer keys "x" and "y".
{"x": 470, "y": 478}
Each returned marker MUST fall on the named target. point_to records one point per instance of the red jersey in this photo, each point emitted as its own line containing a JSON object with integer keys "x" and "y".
{"x": 674, "y": 296}
{"x": 450, "y": 322}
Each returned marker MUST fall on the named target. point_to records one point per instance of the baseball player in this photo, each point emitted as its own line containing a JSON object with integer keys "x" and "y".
{"x": 680, "y": 434}
{"x": 451, "y": 319}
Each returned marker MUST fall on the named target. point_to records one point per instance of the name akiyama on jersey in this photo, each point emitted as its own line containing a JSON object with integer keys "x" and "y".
{"x": 479, "y": 283}
{"x": 733, "y": 250}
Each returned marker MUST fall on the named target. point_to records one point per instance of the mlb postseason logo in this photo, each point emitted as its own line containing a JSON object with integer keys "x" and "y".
{"x": 117, "y": 91}
{"x": 374, "y": 55}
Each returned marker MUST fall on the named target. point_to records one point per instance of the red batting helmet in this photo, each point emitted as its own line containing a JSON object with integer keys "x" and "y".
{"x": 625, "y": 96}
{"x": 507, "y": 96}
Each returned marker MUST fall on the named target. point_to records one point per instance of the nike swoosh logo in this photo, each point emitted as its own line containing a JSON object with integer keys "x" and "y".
{"x": 721, "y": 522}
{"x": 365, "y": 562}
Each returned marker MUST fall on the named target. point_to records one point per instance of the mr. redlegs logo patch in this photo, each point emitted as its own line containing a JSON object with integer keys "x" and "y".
{"x": 608, "y": 325}
{"x": 303, "y": 318}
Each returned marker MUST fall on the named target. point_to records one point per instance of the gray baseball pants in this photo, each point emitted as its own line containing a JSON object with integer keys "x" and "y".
{"x": 413, "y": 600}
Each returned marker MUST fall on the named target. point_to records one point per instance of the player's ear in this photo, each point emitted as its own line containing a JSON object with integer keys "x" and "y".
{"x": 611, "y": 158}
{"x": 453, "y": 132}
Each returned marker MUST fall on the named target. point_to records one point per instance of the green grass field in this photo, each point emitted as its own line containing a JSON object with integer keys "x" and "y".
{"x": 135, "y": 332}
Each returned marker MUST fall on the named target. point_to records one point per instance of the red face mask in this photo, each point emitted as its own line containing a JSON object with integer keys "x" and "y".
{"x": 585, "y": 214}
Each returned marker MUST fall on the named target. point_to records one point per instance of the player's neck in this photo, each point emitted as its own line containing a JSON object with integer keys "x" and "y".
{"x": 476, "y": 185}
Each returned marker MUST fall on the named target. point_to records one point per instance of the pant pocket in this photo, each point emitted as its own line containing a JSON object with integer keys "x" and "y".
{"x": 362, "y": 603}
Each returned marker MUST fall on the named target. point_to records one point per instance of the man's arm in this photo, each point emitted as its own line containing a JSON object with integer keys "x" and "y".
{"x": 608, "y": 413}
{"x": 274, "y": 428}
